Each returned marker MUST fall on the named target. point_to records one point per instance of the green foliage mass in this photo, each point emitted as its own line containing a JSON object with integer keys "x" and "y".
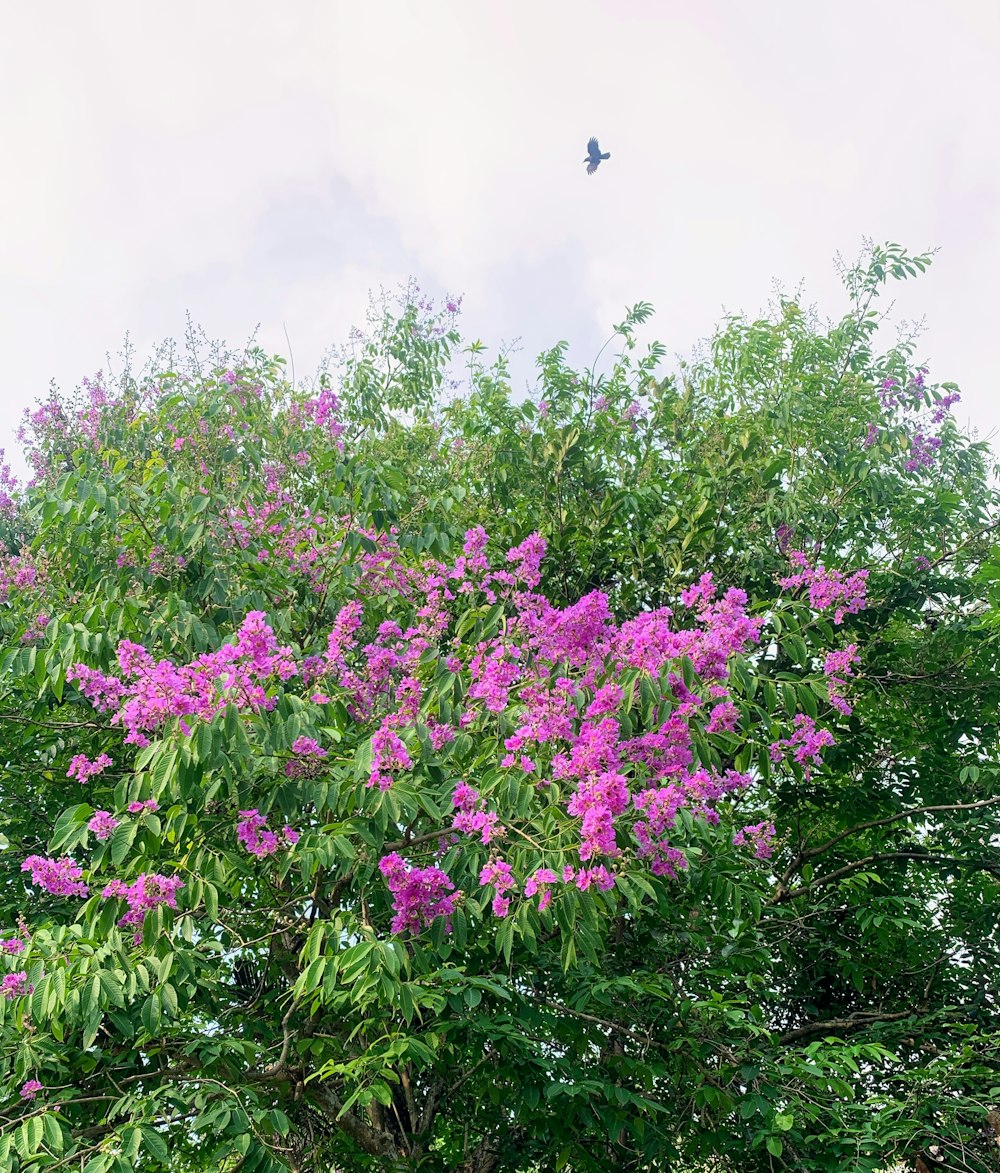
{"x": 832, "y": 1008}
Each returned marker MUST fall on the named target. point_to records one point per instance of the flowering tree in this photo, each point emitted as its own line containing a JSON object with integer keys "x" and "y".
{"x": 385, "y": 786}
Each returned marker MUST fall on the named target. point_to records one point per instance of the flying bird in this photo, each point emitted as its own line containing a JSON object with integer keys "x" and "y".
{"x": 594, "y": 156}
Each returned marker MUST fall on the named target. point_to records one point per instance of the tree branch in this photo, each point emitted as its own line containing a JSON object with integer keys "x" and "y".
{"x": 376, "y": 1141}
{"x": 907, "y": 814}
{"x": 784, "y": 894}
{"x": 831, "y": 1025}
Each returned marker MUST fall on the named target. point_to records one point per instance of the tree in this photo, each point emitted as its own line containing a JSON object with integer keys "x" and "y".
{"x": 596, "y": 782}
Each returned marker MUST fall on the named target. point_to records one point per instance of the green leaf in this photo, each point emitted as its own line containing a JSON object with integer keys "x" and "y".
{"x": 122, "y": 839}
{"x": 155, "y": 1144}
{"x": 151, "y": 1014}
{"x": 68, "y": 826}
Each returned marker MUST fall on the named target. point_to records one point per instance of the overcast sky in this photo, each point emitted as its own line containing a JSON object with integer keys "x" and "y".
{"x": 261, "y": 162}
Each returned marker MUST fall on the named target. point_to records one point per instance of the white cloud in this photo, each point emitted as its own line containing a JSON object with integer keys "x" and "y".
{"x": 255, "y": 162}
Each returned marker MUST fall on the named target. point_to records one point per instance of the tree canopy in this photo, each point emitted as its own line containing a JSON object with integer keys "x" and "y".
{"x": 401, "y": 774}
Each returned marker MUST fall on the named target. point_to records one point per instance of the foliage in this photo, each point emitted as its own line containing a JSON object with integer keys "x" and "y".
{"x": 486, "y": 861}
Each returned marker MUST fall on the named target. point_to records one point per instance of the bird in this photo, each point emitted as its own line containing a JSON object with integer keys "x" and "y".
{"x": 594, "y": 156}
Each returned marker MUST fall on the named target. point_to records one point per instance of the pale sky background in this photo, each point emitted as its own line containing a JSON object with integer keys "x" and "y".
{"x": 270, "y": 162}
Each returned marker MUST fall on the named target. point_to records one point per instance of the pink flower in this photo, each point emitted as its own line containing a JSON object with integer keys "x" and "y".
{"x": 139, "y": 808}
{"x": 829, "y": 588}
{"x": 498, "y": 874}
{"x": 837, "y": 666}
{"x": 388, "y": 754}
{"x": 16, "y": 985}
{"x": 540, "y": 882}
{"x": 146, "y": 892}
{"x": 420, "y": 895}
{"x": 81, "y": 768}
{"x": 60, "y": 877}
{"x": 30, "y": 1088}
{"x": 759, "y": 836}
{"x": 308, "y": 752}
{"x": 807, "y": 744}
{"x": 253, "y": 832}
{"x": 102, "y": 824}
{"x": 470, "y": 818}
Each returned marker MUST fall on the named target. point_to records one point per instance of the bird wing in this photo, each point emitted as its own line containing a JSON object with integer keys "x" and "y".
{"x": 593, "y": 165}
{"x": 593, "y": 148}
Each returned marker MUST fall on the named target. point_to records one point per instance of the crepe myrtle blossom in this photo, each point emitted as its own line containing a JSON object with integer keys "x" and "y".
{"x": 59, "y": 877}
{"x": 142, "y": 808}
{"x": 806, "y": 744}
{"x": 82, "y": 768}
{"x": 255, "y": 835}
{"x": 499, "y": 875}
{"x": 146, "y": 892}
{"x": 837, "y": 667}
{"x": 149, "y": 693}
{"x": 419, "y": 895}
{"x": 16, "y": 985}
{"x": 556, "y": 683}
{"x": 540, "y": 883}
{"x": 759, "y": 836}
{"x": 13, "y": 945}
{"x": 102, "y": 824}
{"x": 307, "y": 754}
{"x": 30, "y": 1088}
{"x": 471, "y": 818}
{"x": 846, "y": 594}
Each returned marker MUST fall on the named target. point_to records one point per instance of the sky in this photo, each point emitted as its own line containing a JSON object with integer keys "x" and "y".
{"x": 266, "y": 165}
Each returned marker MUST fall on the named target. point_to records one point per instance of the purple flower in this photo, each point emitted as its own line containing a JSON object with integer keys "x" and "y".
{"x": 148, "y": 891}
{"x": 420, "y": 895}
{"x": 540, "y": 882}
{"x": 829, "y": 588}
{"x": 102, "y": 824}
{"x": 30, "y": 1088}
{"x": 81, "y": 768}
{"x": 498, "y": 874}
{"x": 759, "y": 836}
{"x": 16, "y": 985}
{"x": 253, "y": 832}
{"x": 806, "y": 743}
{"x": 60, "y": 877}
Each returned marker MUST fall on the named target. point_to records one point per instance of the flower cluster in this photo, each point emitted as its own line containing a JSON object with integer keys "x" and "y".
{"x": 924, "y": 442}
{"x": 389, "y": 756}
{"x": 253, "y": 832}
{"x": 539, "y": 882}
{"x": 837, "y": 667}
{"x": 102, "y": 824}
{"x": 36, "y": 632}
{"x": 419, "y": 895}
{"x": 143, "y": 807}
{"x": 558, "y": 685}
{"x": 81, "y": 767}
{"x": 30, "y": 1088}
{"x": 471, "y": 818}
{"x": 308, "y": 753}
{"x": 829, "y": 588}
{"x": 498, "y": 874}
{"x": 150, "y": 693}
{"x": 60, "y": 877}
{"x": 806, "y": 743}
{"x": 145, "y": 893}
{"x": 759, "y": 836}
{"x": 16, "y": 985}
